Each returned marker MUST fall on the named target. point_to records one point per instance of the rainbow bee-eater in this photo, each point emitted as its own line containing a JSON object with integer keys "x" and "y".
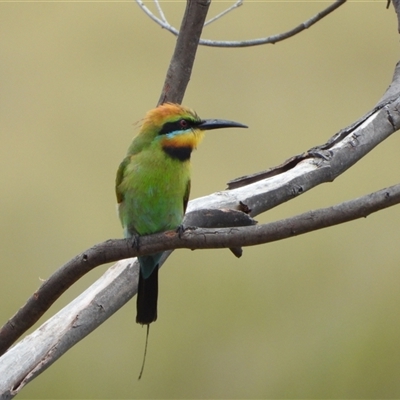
{"x": 153, "y": 185}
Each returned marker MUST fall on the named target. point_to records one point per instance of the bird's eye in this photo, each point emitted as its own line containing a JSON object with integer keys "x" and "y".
{"x": 175, "y": 126}
{"x": 183, "y": 124}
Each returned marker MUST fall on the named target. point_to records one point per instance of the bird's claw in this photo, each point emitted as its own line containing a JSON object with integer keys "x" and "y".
{"x": 180, "y": 231}
{"x": 183, "y": 228}
{"x": 135, "y": 242}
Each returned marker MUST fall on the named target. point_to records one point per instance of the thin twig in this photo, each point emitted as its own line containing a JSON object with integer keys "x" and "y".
{"x": 221, "y": 14}
{"x": 160, "y": 11}
{"x": 251, "y": 42}
{"x": 163, "y": 24}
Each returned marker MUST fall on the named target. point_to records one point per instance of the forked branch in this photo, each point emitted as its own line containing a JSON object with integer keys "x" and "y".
{"x": 255, "y": 194}
{"x": 242, "y": 43}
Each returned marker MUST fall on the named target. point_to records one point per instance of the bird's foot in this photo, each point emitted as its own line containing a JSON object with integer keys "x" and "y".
{"x": 135, "y": 242}
{"x": 181, "y": 230}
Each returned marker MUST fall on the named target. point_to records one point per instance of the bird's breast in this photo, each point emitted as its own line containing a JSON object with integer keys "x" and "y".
{"x": 154, "y": 189}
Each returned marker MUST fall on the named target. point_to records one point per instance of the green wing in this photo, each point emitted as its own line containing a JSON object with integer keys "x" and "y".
{"x": 119, "y": 178}
{"x": 186, "y": 197}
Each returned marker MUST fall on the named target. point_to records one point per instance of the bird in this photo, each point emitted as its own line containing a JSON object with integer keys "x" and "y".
{"x": 153, "y": 186}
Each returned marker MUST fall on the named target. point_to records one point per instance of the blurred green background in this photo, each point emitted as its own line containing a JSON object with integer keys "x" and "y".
{"x": 315, "y": 316}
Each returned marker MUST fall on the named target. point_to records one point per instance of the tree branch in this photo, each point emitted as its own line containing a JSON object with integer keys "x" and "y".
{"x": 115, "y": 287}
{"x": 257, "y": 193}
{"x": 396, "y": 5}
{"x": 180, "y": 67}
{"x": 300, "y": 174}
{"x": 294, "y": 177}
{"x": 235, "y": 5}
{"x": 342, "y": 151}
{"x": 251, "y": 42}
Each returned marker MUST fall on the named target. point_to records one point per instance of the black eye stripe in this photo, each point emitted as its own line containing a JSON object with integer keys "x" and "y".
{"x": 174, "y": 126}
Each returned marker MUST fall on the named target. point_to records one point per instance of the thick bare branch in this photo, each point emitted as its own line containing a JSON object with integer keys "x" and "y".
{"x": 180, "y": 67}
{"x": 322, "y": 164}
{"x": 99, "y": 302}
{"x": 39, "y": 350}
{"x": 294, "y": 177}
{"x": 396, "y": 5}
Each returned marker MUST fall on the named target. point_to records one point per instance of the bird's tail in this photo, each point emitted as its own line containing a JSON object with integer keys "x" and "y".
{"x": 146, "y": 304}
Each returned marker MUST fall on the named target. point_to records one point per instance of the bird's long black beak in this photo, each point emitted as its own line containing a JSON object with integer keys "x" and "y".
{"x": 208, "y": 124}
